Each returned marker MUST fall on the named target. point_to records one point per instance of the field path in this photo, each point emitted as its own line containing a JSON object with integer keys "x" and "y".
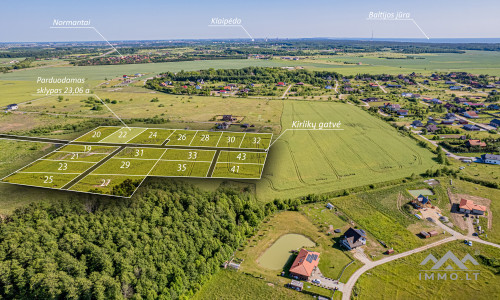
{"x": 286, "y": 91}
{"x": 383, "y": 90}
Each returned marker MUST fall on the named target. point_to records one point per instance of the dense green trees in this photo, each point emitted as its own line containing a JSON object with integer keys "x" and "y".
{"x": 162, "y": 244}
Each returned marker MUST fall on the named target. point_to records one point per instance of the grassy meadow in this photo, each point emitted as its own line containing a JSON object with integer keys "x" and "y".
{"x": 399, "y": 279}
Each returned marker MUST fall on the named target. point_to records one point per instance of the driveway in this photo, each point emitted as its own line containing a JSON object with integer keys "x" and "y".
{"x": 326, "y": 282}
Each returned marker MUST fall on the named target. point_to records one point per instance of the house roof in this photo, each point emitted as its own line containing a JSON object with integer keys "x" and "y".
{"x": 305, "y": 262}
{"x": 470, "y": 205}
{"x": 476, "y": 143}
{"x": 471, "y": 113}
{"x": 491, "y": 156}
{"x": 354, "y": 237}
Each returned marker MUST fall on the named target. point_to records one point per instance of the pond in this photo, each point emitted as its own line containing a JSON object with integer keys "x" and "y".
{"x": 276, "y": 256}
{"x": 425, "y": 192}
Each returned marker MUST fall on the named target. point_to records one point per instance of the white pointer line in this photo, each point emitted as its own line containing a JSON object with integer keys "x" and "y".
{"x": 113, "y": 112}
{"x": 234, "y": 26}
{"x": 396, "y": 19}
{"x": 303, "y": 129}
{"x": 89, "y": 27}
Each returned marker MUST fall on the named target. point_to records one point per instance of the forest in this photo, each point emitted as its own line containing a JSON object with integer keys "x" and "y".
{"x": 162, "y": 244}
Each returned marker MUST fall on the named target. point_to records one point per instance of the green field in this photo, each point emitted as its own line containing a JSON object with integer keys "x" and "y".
{"x": 181, "y": 138}
{"x": 76, "y": 156}
{"x": 399, "y": 279}
{"x": 53, "y": 181}
{"x": 366, "y": 151}
{"x": 256, "y": 141}
{"x": 102, "y": 184}
{"x": 152, "y": 136}
{"x": 97, "y": 134}
{"x": 125, "y": 166}
{"x": 189, "y": 155}
{"x": 87, "y": 149}
{"x": 231, "y": 140}
{"x": 241, "y": 156}
{"x": 169, "y": 168}
{"x": 123, "y": 135}
{"x": 49, "y": 166}
{"x": 237, "y": 170}
{"x": 206, "y": 139}
{"x": 142, "y": 153}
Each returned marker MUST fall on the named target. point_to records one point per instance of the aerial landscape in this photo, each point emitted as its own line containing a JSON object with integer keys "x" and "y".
{"x": 283, "y": 150}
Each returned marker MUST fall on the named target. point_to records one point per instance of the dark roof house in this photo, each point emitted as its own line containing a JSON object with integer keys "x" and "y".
{"x": 354, "y": 238}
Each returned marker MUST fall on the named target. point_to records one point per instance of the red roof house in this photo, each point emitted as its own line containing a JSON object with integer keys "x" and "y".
{"x": 468, "y": 206}
{"x": 304, "y": 264}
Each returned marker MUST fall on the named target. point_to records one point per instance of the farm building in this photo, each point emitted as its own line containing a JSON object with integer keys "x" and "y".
{"x": 354, "y": 238}
{"x": 228, "y": 118}
{"x": 491, "y": 159}
{"x": 304, "y": 264}
{"x": 468, "y": 207}
{"x": 425, "y": 234}
{"x": 433, "y": 233}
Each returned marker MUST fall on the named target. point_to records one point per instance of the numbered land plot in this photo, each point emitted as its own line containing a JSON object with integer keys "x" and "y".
{"x": 98, "y": 134}
{"x": 123, "y": 135}
{"x": 237, "y": 170}
{"x": 152, "y": 136}
{"x": 231, "y": 139}
{"x": 256, "y": 141}
{"x": 96, "y": 149}
{"x": 116, "y": 185}
{"x": 181, "y": 138}
{"x": 242, "y": 157}
{"x": 57, "y": 167}
{"x": 168, "y": 168}
{"x": 140, "y": 153}
{"x": 189, "y": 155}
{"x": 53, "y": 181}
{"x": 77, "y": 156}
{"x": 206, "y": 139}
{"x": 125, "y": 166}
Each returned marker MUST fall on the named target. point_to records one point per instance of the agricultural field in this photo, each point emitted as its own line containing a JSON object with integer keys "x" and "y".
{"x": 366, "y": 151}
{"x": 399, "y": 279}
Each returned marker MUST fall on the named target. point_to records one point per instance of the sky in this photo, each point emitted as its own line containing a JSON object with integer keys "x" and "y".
{"x": 29, "y": 20}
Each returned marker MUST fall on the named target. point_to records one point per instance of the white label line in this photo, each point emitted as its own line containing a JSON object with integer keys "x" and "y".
{"x": 136, "y": 135}
{"x": 242, "y": 140}
{"x": 193, "y": 137}
{"x": 76, "y": 161}
{"x": 50, "y": 173}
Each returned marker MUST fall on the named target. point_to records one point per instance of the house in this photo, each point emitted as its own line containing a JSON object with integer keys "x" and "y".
{"x": 12, "y": 107}
{"x": 469, "y": 207}
{"x": 455, "y": 87}
{"x": 417, "y": 123}
{"x": 463, "y": 122}
{"x": 328, "y": 87}
{"x": 354, "y": 238}
{"x": 329, "y": 205}
{"x": 228, "y": 118}
{"x": 296, "y": 285}
{"x": 223, "y": 125}
{"x": 299, "y": 83}
{"x": 371, "y": 99}
{"x": 475, "y": 143}
{"x": 397, "y": 86}
{"x": 494, "y": 107}
{"x": 471, "y": 114}
{"x": 281, "y": 84}
{"x": 447, "y": 122}
{"x": 392, "y": 107}
{"x": 436, "y": 101}
{"x": 495, "y": 123}
{"x": 406, "y": 94}
{"x": 421, "y": 201}
{"x": 470, "y": 127}
{"x": 460, "y": 100}
{"x": 403, "y": 112}
{"x": 431, "y": 128}
{"x": 491, "y": 159}
{"x": 304, "y": 264}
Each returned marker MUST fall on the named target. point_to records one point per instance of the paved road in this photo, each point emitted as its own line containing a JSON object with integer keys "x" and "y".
{"x": 347, "y": 288}
{"x": 448, "y": 153}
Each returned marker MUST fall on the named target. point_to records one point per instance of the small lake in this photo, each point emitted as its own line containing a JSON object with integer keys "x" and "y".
{"x": 416, "y": 193}
{"x": 278, "y": 254}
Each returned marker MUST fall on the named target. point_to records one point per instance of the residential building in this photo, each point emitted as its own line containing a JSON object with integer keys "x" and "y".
{"x": 354, "y": 238}
{"x": 304, "y": 264}
{"x": 475, "y": 143}
{"x": 469, "y": 207}
{"x": 491, "y": 159}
